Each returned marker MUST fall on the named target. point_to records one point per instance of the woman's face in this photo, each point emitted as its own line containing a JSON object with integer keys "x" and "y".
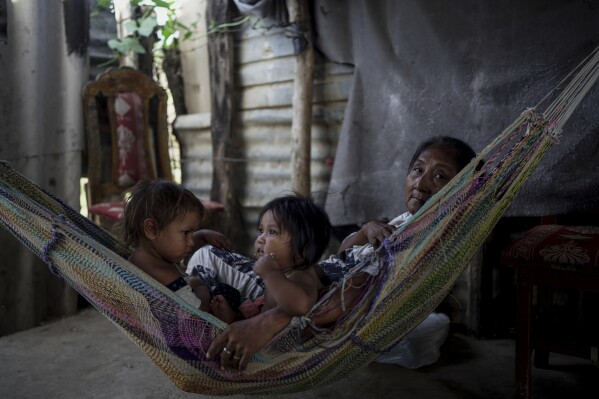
{"x": 433, "y": 169}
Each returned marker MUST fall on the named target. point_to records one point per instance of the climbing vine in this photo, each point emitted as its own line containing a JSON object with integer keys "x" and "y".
{"x": 151, "y": 17}
{"x": 157, "y": 18}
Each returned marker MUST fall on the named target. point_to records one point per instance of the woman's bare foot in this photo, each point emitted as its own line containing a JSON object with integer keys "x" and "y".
{"x": 222, "y": 309}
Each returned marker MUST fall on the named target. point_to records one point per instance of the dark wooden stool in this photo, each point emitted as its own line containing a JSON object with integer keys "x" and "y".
{"x": 550, "y": 257}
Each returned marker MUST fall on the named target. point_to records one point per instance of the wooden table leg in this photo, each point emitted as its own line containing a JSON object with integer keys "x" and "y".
{"x": 524, "y": 325}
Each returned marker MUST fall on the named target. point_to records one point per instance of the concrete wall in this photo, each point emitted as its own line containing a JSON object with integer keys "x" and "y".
{"x": 43, "y": 66}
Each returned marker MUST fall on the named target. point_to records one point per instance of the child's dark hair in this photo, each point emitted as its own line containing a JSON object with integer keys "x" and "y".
{"x": 306, "y": 222}
{"x": 160, "y": 200}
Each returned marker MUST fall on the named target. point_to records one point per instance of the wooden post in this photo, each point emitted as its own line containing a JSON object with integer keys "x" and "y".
{"x": 299, "y": 17}
{"x": 226, "y": 180}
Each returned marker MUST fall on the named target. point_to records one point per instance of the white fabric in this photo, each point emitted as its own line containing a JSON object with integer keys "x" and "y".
{"x": 360, "y": 251}
{"x": 421, "y": 346}
{"x": 225, "y": 273}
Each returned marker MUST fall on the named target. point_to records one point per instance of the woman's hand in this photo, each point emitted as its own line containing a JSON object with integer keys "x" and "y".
{"x": 376, "y": 232}
{"x": 373, "y": 232}
{"x": 214, "y": 238}
{"x": 244, "y": 338}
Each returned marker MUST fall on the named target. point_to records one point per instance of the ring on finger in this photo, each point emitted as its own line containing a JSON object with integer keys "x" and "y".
{"x": 227, "y": 351}
{"x": 236, "y": 357}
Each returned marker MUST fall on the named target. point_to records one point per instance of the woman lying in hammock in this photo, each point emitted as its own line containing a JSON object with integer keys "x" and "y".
{"x": 433, "y": 165}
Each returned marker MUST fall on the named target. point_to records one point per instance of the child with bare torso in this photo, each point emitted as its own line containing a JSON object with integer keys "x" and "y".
{"x": 162, "y": 223}
{"x": 293, "y": 233}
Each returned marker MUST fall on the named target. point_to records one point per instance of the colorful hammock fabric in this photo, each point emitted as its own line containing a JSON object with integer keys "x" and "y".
{"x": 417, "y": 265}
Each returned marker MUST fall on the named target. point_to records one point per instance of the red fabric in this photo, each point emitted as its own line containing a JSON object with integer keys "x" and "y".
{"x": 556, "y": 246}
{"x": 130, "y": 139}
{"x": 251, "y": 308}
{"x": 113, "y": 210}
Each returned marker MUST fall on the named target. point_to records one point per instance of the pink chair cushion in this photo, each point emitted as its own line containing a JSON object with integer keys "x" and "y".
{"x": 559, "y": 247}
{"x": 112, "y": 210}
{"x": 130, "y": 139}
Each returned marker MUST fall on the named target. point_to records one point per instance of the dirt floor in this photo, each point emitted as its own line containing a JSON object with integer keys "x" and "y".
{"x": 85, "y": 356}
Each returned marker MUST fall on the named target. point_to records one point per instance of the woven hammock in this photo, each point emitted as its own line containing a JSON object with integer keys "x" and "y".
{"x": 418, "y": 264}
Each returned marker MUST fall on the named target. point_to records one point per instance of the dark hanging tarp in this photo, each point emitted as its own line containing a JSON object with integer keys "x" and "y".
{"x": 464, "y": 68}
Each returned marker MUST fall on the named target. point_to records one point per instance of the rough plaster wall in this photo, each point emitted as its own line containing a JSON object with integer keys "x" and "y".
{"x": 464, "y": 68}
{"x": 41, "y": 135}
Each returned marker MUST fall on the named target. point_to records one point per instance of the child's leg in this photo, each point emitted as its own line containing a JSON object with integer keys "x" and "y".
{"x": 202, "y": 292}
{"x": 222, "y": 309}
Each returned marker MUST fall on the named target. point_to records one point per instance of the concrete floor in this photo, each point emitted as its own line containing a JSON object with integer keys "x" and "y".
{"x": 85, "y": 356}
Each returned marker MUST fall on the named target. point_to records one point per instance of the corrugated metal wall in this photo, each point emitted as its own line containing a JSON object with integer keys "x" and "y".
{"x": 265, "y": 70}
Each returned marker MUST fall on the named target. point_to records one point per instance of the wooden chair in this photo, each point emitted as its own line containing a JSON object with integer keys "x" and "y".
{"x": 551, "y": 258}
{"x": 126, "y": 131}
{"x": 127, "y": 139}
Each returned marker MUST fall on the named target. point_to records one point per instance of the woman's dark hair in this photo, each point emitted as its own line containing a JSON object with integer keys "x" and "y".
{"x": 306, "y": 222}
{"x": 463, "y": 152}
{"x": 160, "y": 200}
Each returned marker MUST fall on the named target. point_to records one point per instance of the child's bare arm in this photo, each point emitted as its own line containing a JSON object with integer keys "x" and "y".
{"x": 342, "y": 301}
{"x": 295, "y": 293}
{"x": 214, "y": 238}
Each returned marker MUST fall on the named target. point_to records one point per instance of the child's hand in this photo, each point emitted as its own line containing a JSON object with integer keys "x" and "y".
{"x": 215, "y": 239}
{"x": 266, "y": 264}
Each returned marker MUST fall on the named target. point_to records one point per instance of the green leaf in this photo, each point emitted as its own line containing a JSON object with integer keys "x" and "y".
{"x": 146, "y": 26}
{"x": 103, "y": 3}
{"x": 134, "y": 45}
{"x": 126, "y": 45}
{"x": 130, "y": 26}
{"x": 164, "y": 4}
{"x": 178, "y": 25}
{"x": 168, "y": 30}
